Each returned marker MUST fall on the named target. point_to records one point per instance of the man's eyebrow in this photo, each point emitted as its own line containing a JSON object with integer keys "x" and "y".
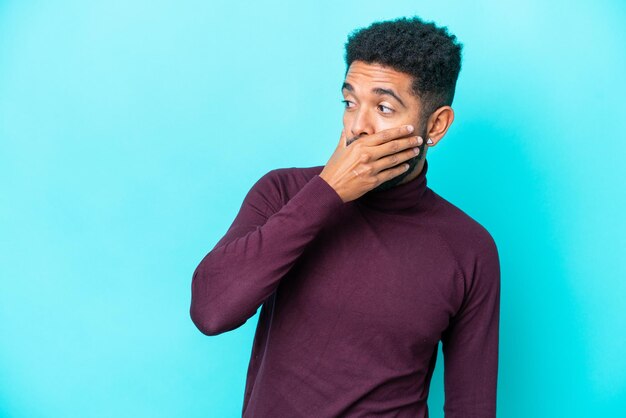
{"x": 376, "y": 90}
{"x": 389, "y": 92}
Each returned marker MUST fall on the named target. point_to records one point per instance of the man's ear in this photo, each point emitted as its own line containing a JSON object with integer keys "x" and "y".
{"x": 438, "y": 124}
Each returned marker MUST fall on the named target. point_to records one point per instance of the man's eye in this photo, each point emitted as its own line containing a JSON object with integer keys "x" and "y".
{"x": 346, "y": 103}
{"x": 385, "y": 109}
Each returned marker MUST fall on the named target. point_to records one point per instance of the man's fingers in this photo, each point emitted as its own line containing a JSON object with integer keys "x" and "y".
{"x": 387, "y": 135}
{"x": 396, "y": 145}
{"x": 392, "y": 172}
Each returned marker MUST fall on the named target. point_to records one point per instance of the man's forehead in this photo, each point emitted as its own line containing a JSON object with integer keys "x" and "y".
{"x": 373, "y": 73}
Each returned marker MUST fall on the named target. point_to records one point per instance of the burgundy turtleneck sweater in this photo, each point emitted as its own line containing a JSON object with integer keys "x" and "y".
{"x": 355, "y": 298}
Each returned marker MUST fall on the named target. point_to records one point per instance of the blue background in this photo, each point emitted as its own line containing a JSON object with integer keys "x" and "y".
{"x": 130, "y": 131}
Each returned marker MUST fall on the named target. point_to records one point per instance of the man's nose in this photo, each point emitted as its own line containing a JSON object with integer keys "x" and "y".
{"x": 362, "y": 124}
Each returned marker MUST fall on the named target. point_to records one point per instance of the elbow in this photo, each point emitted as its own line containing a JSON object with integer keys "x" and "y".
{"x": 210, "y": 314}
{"x": 210, "y": 324}
{"x": 208, "y": 317}
{"x": 201, "y": 311}
{"x": 204, "y": 323}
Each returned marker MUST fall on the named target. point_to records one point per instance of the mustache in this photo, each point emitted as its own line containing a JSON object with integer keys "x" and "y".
{"x": 352, "y": 139}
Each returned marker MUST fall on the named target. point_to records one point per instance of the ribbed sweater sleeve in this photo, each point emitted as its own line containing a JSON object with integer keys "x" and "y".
{"x": 470, "y": 343}
{"x": 264, "y": 241}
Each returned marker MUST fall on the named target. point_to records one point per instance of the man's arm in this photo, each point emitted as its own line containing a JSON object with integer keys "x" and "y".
{"x": 265, "y": 239}
{"x": 262, "y": 244}
{"x": 470, "y": 344}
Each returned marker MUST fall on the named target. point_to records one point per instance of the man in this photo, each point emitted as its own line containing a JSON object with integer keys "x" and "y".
{"x": 360, "y": 268}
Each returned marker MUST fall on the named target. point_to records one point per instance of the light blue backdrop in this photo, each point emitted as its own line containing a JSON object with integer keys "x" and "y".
{"x": 130, "y": 132}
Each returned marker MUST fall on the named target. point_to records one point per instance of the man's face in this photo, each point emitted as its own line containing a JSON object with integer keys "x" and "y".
{"x": 377, "y": 98}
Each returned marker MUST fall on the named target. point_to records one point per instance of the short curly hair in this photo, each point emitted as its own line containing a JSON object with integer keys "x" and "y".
{"x": 428, "y": 53}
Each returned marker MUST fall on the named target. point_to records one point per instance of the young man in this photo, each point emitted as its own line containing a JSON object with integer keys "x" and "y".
{"x": 360, "y": 268}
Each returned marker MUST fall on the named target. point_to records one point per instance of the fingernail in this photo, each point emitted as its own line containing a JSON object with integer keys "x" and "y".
{"x": 410, "y": 128}
{"x": 420, "y": 140}
{"x": 416, "y": 150}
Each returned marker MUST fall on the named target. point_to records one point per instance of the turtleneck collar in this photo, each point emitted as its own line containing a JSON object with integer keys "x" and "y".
{"x": 401, "y": 197}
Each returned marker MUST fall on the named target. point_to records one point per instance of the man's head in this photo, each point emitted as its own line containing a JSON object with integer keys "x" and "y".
{"x": 402, "y": 71}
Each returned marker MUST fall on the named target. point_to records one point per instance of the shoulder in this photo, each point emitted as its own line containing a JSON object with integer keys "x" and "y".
{"x": 465, "y": 235}
{"x": 280, "y": 184}
{"x": 295, "y": 173}
{"x": 474, "y": 250}
{"x": 286, "y": 178}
